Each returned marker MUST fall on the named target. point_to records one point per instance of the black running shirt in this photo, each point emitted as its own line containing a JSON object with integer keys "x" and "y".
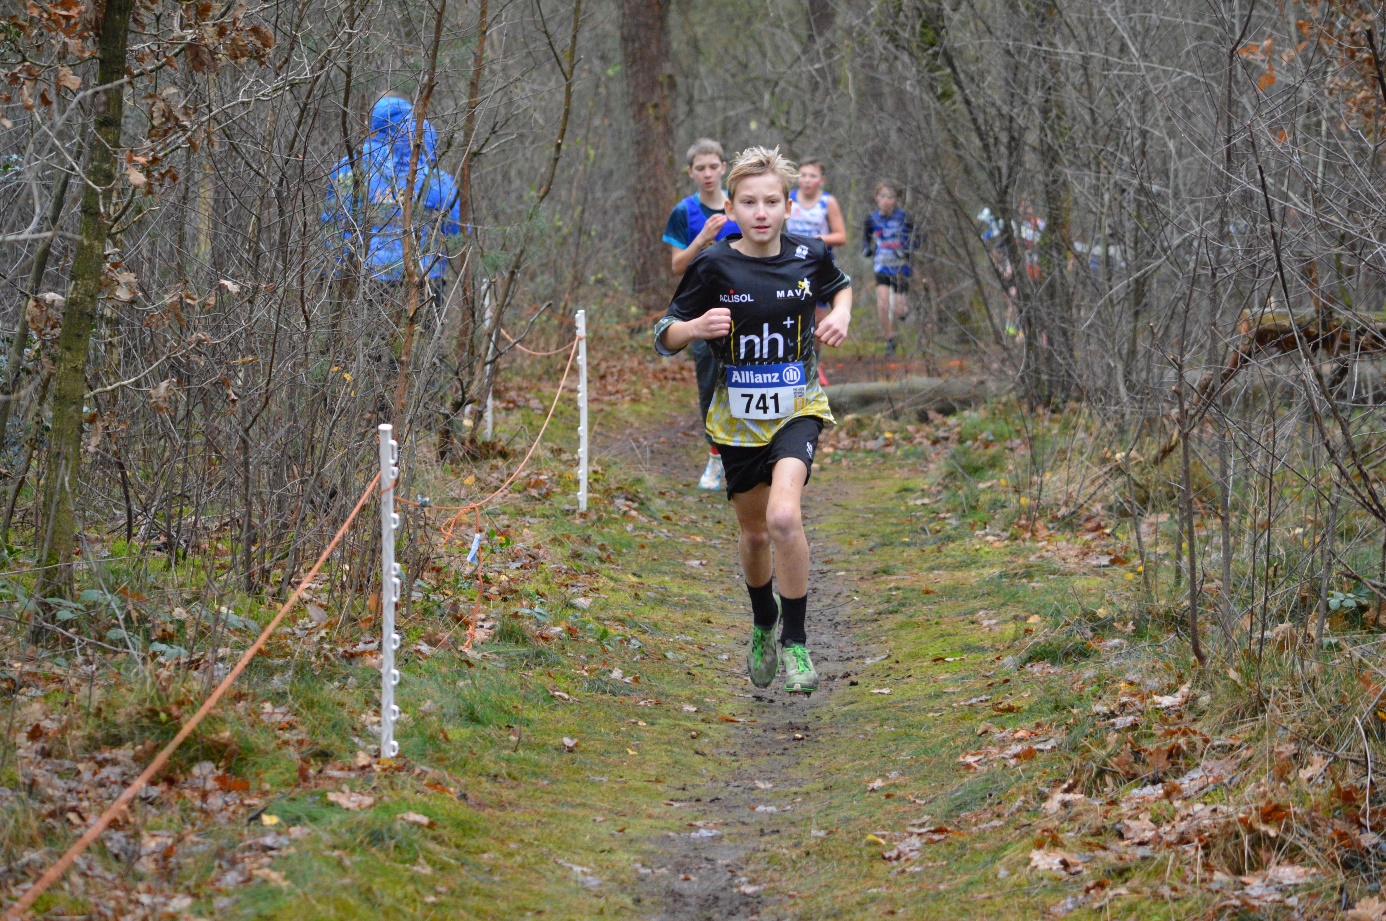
{"x": 767, "y": 371}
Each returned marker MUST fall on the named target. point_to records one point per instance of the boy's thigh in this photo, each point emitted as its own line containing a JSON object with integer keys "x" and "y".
{"x": 749, "y": 468}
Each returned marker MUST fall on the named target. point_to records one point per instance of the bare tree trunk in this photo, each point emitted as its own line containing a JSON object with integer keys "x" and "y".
{"x": 485, "y": 378}
{"x": 412, "y": 281}
{"x": 37, "y": 268}
{"x": 461, "y": 352}
{"x": 650, "y": 86}
{"x": 64, "y": 456}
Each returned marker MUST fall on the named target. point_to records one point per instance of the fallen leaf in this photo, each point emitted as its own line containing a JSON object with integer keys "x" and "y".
{"x": 569, "y": 744}
{"x": 1055, "y": 861}
{"x": 875, "y": 785}
{"x": 267, "y": 819}
{"x": 349, "y": 800}
{"x": 273, "y": 877}
{"x": 1369, "y": 909}
{"x": 1062, "y": 796}
{"x": 731, "y": 719}
{"x": 416, "y": 819}
{"x": 1310, "y": 772}
{"x": 881, "y": 691}
{"x": 695, "y": 563}
{"x": 1169, "y": 702}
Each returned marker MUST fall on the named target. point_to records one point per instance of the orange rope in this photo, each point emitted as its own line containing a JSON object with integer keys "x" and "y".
{"x": 516, "y": 343}
{"x": 55, "y": 872}
{"x": 449, "y": 528}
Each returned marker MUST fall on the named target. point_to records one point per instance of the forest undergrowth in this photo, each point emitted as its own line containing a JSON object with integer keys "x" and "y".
{"x": 1016, "y": 722}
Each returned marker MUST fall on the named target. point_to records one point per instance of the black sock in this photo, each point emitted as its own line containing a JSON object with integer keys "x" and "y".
{"x": 763, "y": 609}
{"x": 795, "y": 610}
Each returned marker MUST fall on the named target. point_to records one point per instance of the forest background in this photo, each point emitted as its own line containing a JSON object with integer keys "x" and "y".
{"x": 1195, "y": 324}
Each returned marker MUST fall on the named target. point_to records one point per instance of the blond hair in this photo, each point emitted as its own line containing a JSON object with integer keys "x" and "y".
{"x": 759, "y": 161}
{"x": 702, "y": 147}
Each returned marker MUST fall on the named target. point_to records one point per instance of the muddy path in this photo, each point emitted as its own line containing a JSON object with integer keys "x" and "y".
{"x": 741, "y": 805}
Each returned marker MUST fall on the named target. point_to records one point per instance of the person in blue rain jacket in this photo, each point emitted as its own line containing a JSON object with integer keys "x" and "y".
{"x": 364, "y": 211}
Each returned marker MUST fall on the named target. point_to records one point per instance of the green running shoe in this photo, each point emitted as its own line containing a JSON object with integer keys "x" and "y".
{"x": 760, "y": 658}
{"x": 798, "y": 669}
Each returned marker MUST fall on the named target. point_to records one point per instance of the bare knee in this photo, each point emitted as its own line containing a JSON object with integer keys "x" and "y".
{"x": 755, "y": 539}
{"x": 783, "y": 522}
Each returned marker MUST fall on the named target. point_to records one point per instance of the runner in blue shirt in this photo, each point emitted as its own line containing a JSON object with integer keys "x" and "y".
{"x": 889, "y": 241}
{"x": 695, "y": 224}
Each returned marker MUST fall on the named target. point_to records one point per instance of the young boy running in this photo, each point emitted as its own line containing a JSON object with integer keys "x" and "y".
{"x": 752, "y": 297}
{"x": 815, "y": 213}
{"x": 695, "y": 224}
{"x": 888, "y": 240}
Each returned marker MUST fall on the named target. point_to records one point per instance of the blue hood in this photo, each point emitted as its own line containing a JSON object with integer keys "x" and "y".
{"x": 393, "y": 124}
{"x": 389, "y": 114}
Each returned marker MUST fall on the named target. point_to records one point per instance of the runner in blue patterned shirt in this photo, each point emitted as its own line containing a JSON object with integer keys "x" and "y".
{"x": 889, "y": 241}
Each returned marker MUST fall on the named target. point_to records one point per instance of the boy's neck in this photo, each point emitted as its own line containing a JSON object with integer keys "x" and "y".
{"x": 716, "y": 199}
{"x": 808, "y": 201}
{"x": 748, "y": 247}
{"x": 884, "y": 213}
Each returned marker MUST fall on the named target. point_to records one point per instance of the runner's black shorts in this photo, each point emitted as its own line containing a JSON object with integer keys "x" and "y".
{"x": 900, "y": 283}
{"x": 746, "y": 468}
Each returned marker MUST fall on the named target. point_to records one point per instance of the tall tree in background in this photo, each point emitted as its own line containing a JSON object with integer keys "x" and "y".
{"x": 57, "y": 534}
{"x": 650, "y": 87}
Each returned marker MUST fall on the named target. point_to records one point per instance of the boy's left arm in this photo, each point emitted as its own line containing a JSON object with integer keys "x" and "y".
{"x": 832, "y": 330}
{"x": 831, "y": 280}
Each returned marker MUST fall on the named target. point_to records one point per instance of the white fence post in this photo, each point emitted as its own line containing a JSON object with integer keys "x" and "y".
{"x": 489, "y": 420}
{"x": 582, "y": 409}
{"x": 390, "y": 582}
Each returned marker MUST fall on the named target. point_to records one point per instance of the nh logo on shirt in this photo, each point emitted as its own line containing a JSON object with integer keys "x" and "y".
{"x": 799, "y": 293}
{"x": 801, "y": 252}
{"x": 759, "y": 345}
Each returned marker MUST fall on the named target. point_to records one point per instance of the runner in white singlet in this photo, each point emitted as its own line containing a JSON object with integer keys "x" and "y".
{"x": 815, "y": 213}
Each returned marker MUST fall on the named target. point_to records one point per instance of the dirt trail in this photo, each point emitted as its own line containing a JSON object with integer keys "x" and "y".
{"x": 701, "y": 873}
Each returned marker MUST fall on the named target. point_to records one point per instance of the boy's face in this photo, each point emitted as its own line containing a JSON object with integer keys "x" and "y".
{"x": 706, "y": 170}
{"x": 810, "y": 180}
{"x": 759, "y": 207}
{"x": 885, "y": 200}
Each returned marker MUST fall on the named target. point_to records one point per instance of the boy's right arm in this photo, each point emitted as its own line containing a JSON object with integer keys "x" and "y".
{"x": 714, "y": 324}
{"x": 689, "y": 317}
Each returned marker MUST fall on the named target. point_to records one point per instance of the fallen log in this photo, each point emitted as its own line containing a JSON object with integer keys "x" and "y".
{"x": 913, "y": 397}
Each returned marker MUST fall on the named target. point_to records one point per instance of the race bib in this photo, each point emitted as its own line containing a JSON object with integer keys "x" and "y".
{"x": 766, "y": 391}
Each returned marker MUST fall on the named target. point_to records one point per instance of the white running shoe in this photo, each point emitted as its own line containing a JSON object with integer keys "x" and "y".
{"x": 712, "y": 477}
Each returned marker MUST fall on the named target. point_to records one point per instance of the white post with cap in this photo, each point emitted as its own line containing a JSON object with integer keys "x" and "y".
{"x": 391, "y": 579}
{"x": 583, "y": 455}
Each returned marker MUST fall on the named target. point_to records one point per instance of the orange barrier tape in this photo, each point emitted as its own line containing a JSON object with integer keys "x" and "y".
{"x": 55, "y": 872}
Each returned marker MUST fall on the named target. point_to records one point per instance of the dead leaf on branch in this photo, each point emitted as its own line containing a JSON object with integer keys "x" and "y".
{"x": 160, "y": 395}
{"x": 44, "y": 314}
